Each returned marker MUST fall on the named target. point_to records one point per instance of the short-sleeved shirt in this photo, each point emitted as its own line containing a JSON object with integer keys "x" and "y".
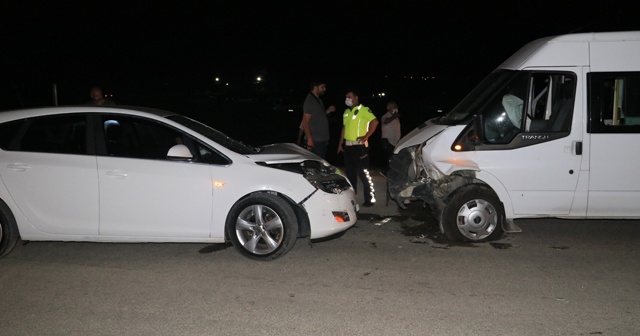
{"x": 391, "y": 131}
{"x": 319, "y": 123}
{"x": 356, "y": 122}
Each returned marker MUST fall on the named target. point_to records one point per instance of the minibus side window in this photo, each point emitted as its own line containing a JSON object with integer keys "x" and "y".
{"x": 551, "y": 99}
{"x": 614, "y": 102}
{"x": 533, "y": 102}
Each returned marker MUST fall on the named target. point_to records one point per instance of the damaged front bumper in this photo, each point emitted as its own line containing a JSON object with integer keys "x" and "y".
{"x": 332, "y": 207}
{"x": 408, "y": 180}
{"x": 331, "y": 213}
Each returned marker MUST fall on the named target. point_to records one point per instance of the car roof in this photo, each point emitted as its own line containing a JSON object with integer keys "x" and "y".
{"x": 55, "y": 110}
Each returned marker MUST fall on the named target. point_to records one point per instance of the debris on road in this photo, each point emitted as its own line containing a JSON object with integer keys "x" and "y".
{"x": 383, "y": 221}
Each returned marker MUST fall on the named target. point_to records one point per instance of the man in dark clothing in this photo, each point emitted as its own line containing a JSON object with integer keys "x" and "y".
{"x": 314, "y": 120}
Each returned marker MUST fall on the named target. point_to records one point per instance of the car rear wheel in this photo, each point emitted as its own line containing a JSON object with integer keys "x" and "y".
{"x": 473, "y": 213}
{"x": 262, "y": 227}
{"x": 8, "y": 230}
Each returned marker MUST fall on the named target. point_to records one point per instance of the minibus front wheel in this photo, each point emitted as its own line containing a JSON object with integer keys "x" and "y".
{"x": 473, "y": 213}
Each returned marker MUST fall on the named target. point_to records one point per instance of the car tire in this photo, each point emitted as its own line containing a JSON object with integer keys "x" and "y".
{"x": 8, "y": 230}
{"x": 265, "y": 237}
{"x": 473, "y": 213}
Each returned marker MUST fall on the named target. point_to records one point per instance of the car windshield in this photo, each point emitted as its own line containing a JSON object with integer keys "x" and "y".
{"x": 479, "y": 96}
{"x": 215, "y": 135}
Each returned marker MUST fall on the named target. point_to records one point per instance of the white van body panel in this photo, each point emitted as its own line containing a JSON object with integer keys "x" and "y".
{"x": 419, "y": 135}
{"x": 614, "y": 192}
{"x": 545, "y": 53}
{"x": 615, "y": 56}
{"x": 439, "y": 154}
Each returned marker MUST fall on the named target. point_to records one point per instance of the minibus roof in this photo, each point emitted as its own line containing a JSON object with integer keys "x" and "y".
{"x": 567, "y": 50}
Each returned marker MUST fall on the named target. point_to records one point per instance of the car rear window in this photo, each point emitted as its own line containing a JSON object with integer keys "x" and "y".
{"x": 60, "y": 134}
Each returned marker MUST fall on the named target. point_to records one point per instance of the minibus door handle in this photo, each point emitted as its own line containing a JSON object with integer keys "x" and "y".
{"x": 578, "y": 147}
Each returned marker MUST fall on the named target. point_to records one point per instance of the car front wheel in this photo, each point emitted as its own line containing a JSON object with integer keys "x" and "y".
{"x": 262, "y": 227}
{"x": 473, "y": 213}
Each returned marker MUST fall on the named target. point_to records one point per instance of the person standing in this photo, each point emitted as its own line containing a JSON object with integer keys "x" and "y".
{"x": 315, "y": 123}
{"x": 359, "y": 123}
{"x": 97, "y": 97}
{"x": 390, "y": 132}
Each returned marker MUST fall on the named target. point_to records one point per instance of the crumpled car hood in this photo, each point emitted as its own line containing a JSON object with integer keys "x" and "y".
{"x": 419, "y": 135}
{"x": 284, "y": 153}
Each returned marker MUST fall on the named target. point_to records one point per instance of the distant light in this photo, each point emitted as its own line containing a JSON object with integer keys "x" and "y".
{"x": 259, "y": 79}
{"x": 217, "y": 79}
{"x": 227, "y": 84}
{"x": 457, "y": 147}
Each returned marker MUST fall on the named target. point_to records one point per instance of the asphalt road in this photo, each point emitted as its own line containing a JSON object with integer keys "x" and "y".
{"x": 399, "y": 277}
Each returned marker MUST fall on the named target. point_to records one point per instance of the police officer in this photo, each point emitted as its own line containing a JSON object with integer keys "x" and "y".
{"x": 358, "y": 124}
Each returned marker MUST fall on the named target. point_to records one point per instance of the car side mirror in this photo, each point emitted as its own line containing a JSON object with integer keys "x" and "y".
{"x": 179, "y": 152}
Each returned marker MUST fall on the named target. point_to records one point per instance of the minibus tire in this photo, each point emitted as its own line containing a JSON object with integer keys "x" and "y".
{"x": 473, "y": 213}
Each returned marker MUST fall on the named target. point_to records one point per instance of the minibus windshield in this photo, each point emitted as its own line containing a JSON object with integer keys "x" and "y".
{"x": 480, "y": 95}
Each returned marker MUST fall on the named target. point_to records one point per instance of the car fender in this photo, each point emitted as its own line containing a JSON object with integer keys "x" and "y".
{"x": 228, "y": 191}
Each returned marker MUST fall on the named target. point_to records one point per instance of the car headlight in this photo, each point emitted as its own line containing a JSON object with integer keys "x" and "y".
{"x": 324, "y": 177}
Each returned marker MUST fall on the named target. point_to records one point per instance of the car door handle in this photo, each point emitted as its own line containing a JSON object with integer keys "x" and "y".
{"x": 117, "y": 173}
{"x": 18, "y": 166}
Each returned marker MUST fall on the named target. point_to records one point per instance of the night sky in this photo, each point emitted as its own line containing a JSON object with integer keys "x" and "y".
{"x": 141, "y": 49}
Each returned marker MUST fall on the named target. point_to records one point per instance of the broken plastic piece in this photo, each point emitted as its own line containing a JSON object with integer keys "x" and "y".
{"x": 385, "y": 220}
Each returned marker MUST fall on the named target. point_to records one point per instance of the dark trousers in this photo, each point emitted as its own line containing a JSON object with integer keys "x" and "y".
{"x": 320, "y": 148}
{"x": 356, "y": 162}
{"x": 388, "y": 152}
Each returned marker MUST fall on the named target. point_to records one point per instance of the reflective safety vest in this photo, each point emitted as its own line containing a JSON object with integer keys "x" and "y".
{"x": 356, "y": 122}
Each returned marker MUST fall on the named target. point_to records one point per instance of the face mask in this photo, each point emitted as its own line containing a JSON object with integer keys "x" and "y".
{"x": 348, "y": 102}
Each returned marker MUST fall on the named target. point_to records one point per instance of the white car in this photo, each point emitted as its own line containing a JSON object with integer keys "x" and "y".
{"x": 123, "y": 174}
